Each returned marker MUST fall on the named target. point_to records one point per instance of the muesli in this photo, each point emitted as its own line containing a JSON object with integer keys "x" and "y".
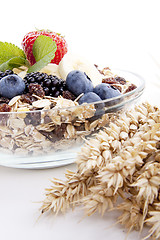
{"x": 43, "y": 95}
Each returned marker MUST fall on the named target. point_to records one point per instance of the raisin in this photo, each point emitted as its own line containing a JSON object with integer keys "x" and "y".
{"x": 4, "y": 100}
{"x": 106, "y": 68}
{"x": 4, "y": 117}
{"x": 36, "y": 89}
{"x": 33, "y": 118}
{"x": 114, "y": 80}
{"x": 109, "y": 80}
{"x": 103, "y": 71}
{"x": 158, "y": 197}
{"x": 158, "y": 145}
{"x": 5, "y": 107}
{"x": 68, "y": 95}
{"x": 121, "y": 80}
{"x": 80, "y": 127}
{"x": 59, "y": 130}
{"x": 57, "y": 134}
{"x": 130, "y": 88}
{"x": 28, "y": 98}
{"x": 47, "y": 119}
{"x": 117, "y": 87}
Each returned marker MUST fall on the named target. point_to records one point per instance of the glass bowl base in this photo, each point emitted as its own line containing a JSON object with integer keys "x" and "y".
{"x": 56, "y": 159}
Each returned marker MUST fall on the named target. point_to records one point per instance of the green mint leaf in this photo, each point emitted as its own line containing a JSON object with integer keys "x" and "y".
{"x": 11, "y": 56}
{"x": 9, "y": 50}
{"x": 44, "y": 49}
{"x": 14, "y": 62}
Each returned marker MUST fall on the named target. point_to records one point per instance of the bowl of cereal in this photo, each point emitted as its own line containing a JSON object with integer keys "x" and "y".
{"x": 47, "y": 114}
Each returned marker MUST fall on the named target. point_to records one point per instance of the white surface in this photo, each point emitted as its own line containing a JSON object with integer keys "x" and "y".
{"x": 115, "y": 33}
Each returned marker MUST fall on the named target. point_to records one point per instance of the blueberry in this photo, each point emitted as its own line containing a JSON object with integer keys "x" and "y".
{"x": 89, "y": 98}
{"x": 78, "y": 82}
{"x": 93, "y": 97}
{"x": 106, "y": 91}
{"x": 11, "y": 86}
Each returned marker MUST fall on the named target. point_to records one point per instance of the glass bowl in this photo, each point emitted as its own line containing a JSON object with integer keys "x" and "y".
{"x": 51, "y": 138}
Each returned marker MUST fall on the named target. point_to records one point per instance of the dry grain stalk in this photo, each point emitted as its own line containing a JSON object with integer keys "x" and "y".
{"x": 154, "y": 221}
{"x": 64, "y": 194}
{"x": 115, "y": 163}
{"x": 119, "y": 170}
{"x": 94, "y": 155}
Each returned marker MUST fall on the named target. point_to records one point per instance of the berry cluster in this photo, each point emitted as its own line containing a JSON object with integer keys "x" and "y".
{"x": 37, "y": 83}
{"x": 41, "y": 84}
{"x": 52, "y": 85}
{"x": 78, "y": 82}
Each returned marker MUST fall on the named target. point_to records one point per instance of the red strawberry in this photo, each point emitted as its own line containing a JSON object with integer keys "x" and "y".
{"x": 29, "y": 39}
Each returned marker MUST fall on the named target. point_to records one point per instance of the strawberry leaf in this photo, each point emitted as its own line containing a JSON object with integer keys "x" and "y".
{"x": 44, "y": 49}
{"x": 11, "y": 56}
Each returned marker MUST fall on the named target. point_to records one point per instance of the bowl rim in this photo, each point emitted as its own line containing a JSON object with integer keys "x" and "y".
{"x": 139, "y": 89}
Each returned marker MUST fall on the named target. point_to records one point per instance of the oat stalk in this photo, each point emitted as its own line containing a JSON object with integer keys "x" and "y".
{"x": 65, "y": 194}
{"x": 123, "y": 161}
{"x": 154, "y": 221}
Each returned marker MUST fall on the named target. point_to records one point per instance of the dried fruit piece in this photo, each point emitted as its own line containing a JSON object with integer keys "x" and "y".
{"x": 111, "y": 80}
{"x": 118, "y": 87}
{"x": 33, "y": 118}
{"x": 36, "y": 89}
{"x": 56, "y": 134}
{"x": 4, "y": 100}
{"x": 121, "y": 80}
{"x": 5, "y": 107}
{"x": 68, "y": 95}
{"x": 28, "y": 98}
{"x": 130, "y": 88}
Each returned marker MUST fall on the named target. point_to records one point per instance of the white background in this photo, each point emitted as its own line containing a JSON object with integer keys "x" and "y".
{"x": 122, "y": 34}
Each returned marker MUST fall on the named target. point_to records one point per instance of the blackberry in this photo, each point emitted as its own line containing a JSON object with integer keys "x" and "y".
{"x": 6, "y": 73}
{"x": 52, "y": 85}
